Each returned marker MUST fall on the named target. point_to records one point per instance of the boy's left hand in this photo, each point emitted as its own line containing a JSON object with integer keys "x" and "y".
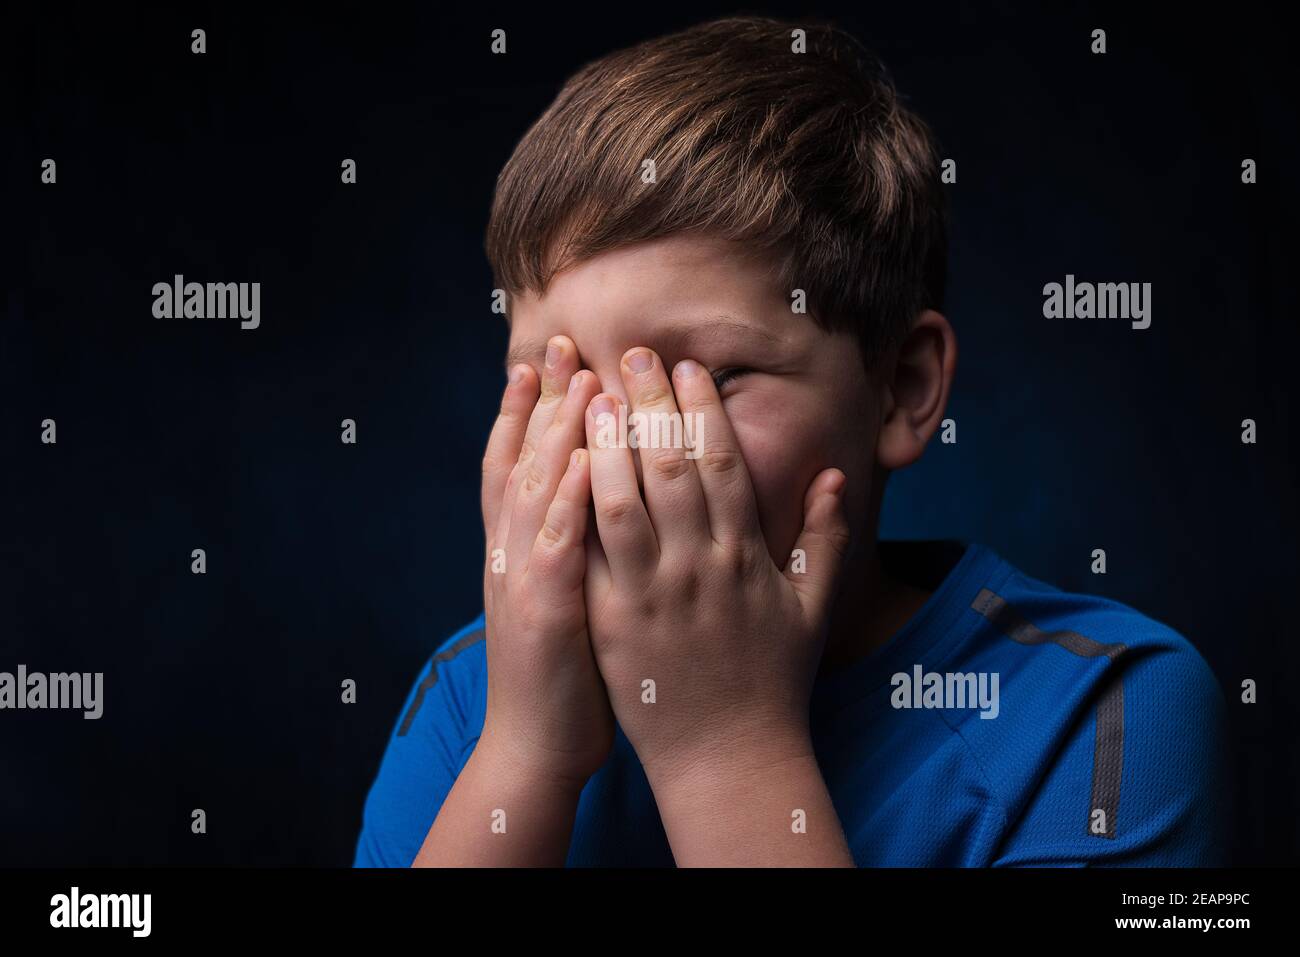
{"x": 682, "y": 591}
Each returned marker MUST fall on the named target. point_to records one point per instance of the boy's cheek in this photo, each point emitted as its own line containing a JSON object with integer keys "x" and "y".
{"x": 786, "y": 446}
{"x": 782, "y": 463}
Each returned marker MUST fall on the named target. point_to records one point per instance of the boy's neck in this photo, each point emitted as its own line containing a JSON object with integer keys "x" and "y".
{"x": 872, "y": 606}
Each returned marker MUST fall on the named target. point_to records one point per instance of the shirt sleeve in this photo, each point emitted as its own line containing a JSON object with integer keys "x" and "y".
{"x": 1169, "y": 806}
{"x": 426, "y": 752}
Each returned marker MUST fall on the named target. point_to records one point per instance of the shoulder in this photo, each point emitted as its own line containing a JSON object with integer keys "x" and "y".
{"x": 430, "y": 742}
{"x": 453, "y": 674}
{"x": 1109, "y": 745}
{"x": 1060, "y": 639}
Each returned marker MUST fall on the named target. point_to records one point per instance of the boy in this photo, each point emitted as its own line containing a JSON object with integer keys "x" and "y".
{"x": 696, "y": 651}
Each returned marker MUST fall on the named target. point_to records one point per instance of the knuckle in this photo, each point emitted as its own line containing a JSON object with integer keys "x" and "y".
{"x": 551, "y": 598}
{"x": 670, "y": 467}
{"x": 654, "y": 395}
{"x": 618, "y": 510}
{"x": 740, "y": 561}
{"x": 491, "y": 464}
{"x": 552, "y": 536}
{"x": 735, "y": 561}
{"x": 719, "y": 460}
{"x": 533, "y": 480}
{"x": 838, "y": 539}
{"x": 684, "y": 581}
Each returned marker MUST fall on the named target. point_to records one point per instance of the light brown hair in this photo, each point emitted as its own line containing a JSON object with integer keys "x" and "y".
{"x": 808, "y": 157}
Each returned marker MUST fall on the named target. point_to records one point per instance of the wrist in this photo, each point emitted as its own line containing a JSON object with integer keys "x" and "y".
{"x": 503, "y": 757}
{"x": 757, "y": 807}
{"x": 725, "y": 766}
{"x": 503, "y": 811}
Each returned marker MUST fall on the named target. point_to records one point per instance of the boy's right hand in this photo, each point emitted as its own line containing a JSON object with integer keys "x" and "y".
{"x": 548, "y": 714}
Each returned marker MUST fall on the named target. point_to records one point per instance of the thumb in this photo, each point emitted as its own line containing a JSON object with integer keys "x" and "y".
{"x": 818, "y": 555}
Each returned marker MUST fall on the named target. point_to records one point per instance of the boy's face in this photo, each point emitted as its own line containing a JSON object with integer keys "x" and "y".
{"x": 798, "y": 397}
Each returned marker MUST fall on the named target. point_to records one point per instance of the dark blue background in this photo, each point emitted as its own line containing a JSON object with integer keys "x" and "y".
{"x": 328, "y": 562}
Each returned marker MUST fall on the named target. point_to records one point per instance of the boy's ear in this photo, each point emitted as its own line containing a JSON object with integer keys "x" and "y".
{"x": 915, "y": 385}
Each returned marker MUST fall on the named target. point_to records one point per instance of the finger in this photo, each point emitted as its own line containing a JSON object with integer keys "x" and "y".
{"x": 728, "y": 492}
{"x": 597, "y": 564}
{"x": 560, "y": 364}
{"x": 559, "y": 552}
{"x": 543, "y": 471}
{"x": 819, "y": 554}
{"x": 505, "y": 440}
{"x": 673, "y": 497}
{"x": 626, "y": 534}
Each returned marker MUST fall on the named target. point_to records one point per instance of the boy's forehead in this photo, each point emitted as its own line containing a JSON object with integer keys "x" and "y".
{"x": 673, "y": 295}
{"x": 677, "y": 334}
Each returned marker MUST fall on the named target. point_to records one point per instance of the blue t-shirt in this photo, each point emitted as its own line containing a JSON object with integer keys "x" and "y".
{"x": 1007, "y": 723}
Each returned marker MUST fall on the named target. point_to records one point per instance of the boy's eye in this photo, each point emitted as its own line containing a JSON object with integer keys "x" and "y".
{"x": 723, "y": 376}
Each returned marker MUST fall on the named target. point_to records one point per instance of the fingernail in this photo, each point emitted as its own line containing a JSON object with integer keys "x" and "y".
{"x": 517, "y": 373}
{"x": 575, "y": 381}
{"x": 687, "y": 368}
{"x": 640, "y": 361}
{"x": 553, "y": 350}
{"x": 575, "y": 460}
{"x": 602, "y": 405}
